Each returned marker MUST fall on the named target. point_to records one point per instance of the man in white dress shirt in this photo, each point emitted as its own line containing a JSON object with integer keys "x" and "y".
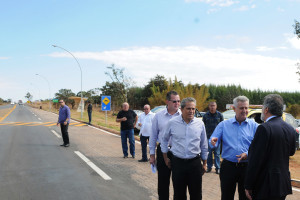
{"x": 189, "y": 147}
{"x": 145, "y": 122}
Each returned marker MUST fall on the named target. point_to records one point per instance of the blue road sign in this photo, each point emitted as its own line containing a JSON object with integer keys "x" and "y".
{"x": 105, "y": 103}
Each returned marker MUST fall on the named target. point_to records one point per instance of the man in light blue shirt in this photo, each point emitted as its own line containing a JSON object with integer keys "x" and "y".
{"x": 189, "y": 147}
{"x": 159, "y": 124}
{"x": 236, "y": 135}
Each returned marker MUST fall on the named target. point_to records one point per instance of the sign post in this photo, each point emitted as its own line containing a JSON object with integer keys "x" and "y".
{"x": 105, "y": 105}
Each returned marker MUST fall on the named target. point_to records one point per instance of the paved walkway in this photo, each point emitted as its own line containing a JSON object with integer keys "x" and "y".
{"x": 104, "y": 149}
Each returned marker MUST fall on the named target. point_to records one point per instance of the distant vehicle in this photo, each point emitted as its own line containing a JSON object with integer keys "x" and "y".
{"x": 256, "y": 113}
{"x": 20, "y": 102}
{"x": 158, "y": 108}
{"x": 12, "y": 103}
{"x": 298, "y": 122}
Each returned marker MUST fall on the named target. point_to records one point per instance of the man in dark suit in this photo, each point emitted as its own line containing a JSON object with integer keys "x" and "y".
{"x": 268, "y": 175}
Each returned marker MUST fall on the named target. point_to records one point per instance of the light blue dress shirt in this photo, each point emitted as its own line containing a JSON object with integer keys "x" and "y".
{"x": 159, "y": 123}
{"x": 236, "y": 137}
{"x": 188, "y": 140}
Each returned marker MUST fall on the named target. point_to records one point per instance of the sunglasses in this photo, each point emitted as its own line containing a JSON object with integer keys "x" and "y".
{"x": 178, "y": 101}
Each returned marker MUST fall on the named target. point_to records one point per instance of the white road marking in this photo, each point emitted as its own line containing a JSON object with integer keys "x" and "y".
{"x": 35, "y": 115}
{"x": 57, "y": 135}
{"x": 39, "y": 118}
{"x": 110, "y": 133}
{"x": 298, "y": 190}
{"x": 93, "y": 166}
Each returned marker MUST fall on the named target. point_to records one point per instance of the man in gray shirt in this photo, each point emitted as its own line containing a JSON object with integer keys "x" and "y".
{"x": 189, "y": 147}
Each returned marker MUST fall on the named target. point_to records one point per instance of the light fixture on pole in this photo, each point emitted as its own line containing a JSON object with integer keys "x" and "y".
{"x": 49, "y": 90}
{"x": 81, "y": 100}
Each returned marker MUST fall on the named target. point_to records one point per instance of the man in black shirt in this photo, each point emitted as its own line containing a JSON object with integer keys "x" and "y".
{"x": 89, "y": 110}
{"x": 128, "y": 119}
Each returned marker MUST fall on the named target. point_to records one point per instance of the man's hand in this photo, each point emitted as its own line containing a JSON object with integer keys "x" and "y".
{"x": 204, "y": 168}
{"x": 65, "y": 123}
{"x": 57, "y": 124}
{"x": 152, "y": 159}
{"x": 242, "y": 156}
{"x": 214, "y": 141}
{"x": 140, "y": 124}
{"x": 124, "y": 119}
{"x": 248, "y": 194}
{"x": 168, "y": 162}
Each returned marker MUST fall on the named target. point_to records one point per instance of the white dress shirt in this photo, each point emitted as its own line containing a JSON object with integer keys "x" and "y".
{"x": 146, "y": 121}
{"x": 188, "y": 140}
{"x": 159, "y": 124}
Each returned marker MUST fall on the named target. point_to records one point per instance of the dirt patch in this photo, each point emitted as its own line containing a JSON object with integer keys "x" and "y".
{"x": 295, "y": 165}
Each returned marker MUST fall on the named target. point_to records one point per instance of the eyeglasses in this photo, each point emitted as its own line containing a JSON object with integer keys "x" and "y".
{"x": 60, "y": 102}
{"x": 176, "y": 101}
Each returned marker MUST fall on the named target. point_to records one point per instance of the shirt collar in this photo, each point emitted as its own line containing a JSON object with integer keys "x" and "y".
{"x": 185, "y": 122}
{"x": 271, "y": 117}
{"x": 235, "y": 121}
{"x": 167, "y": 113}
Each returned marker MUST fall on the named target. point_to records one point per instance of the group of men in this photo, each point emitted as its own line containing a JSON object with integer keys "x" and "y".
{"x": 254, "y": 157}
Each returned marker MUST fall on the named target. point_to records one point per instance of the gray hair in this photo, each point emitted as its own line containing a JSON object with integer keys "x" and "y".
{"x": 274, "y": 103}
{"x": 185, "y": 100}
{"x": 239, "y": 99}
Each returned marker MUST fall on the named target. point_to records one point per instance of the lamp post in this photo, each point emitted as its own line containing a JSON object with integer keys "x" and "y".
{"x": 49, "y": 90}
{"x": 81, "y": 103}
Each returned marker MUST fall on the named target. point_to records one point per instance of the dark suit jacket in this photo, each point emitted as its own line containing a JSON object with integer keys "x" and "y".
{"x": 268, "y": 168}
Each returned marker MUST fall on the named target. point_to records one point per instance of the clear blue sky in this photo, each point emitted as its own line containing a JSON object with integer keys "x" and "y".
{"x": 200, "y": 41}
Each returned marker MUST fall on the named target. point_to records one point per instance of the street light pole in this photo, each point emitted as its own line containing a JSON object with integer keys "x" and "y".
{"x": 49, "y": 90}
{"x": 81, "y": 76}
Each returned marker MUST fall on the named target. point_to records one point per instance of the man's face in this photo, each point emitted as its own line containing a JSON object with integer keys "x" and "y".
{"x": 146, "y": 109}
{"x": 212, "y": 107}
{"x": 174, "y": 102}
{"x": 188, "y": 111}
{"x": 241, "y": 111}
{"x": 125, "y": 107}
{"x": 61, "y": 103}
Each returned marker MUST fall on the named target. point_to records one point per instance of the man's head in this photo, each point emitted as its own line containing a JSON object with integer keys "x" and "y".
{"x": 61, "y": 102}
{"x": 172, "y": 101}
{"x": 273, "y": 105}
{"x": 240, "y": 107}
{"x": 125, "y": 106}
{"x": 212, "y": 106}
{"x": 146, "y": 109}
{"x": 188, "y": 106}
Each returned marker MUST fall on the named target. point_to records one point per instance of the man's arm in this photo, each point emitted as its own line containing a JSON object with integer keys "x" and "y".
{"x": 204, "y": 149}
{"x": 153, "y": 139}
{"x": 215, "y": 138}
{"x": 164, "y": 144}
{"x": 135, "y": 121}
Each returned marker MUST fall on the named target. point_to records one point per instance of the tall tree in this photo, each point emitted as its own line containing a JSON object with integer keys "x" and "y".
{"x": 65, "y": 94}
{"x": 117, "y": 75}
{"x": 297, "y": 32}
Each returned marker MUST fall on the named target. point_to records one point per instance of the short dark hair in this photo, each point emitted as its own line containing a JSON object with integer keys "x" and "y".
{"x": 274, "y": 103}
{"x": 172, "y": 92}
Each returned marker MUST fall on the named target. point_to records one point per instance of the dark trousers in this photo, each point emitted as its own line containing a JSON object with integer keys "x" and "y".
{"x": 144, "y": 146}
{"x": 187, "y": 174}
{"x": 130, "y": 135}
{"x": 90, "y": 117}
{"x": 163, "y": 174}
{"x": 64, "y": 132}
{"x": 230, "y": 174}
{"x": 271, "y": 198}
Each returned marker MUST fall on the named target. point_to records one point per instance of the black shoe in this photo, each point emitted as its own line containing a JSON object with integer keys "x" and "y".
{"x": 217, "y": 171}
{"x": 142, "y": 160}
{"x": 133, "y": 157}
{"x": 66, "y": 145}
{"x": 62, "y": 145}
{"x": 208, "y": 170}
{"x": 125, "y": 156}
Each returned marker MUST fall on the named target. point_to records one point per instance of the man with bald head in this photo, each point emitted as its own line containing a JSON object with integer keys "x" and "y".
{"x": 145, "y": 122}
{"x": 128, "y": 119}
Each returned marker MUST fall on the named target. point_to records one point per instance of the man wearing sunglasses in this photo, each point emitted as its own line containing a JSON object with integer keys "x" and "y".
{"x": 159, "y": 124}
{"x": 64, "y": 120}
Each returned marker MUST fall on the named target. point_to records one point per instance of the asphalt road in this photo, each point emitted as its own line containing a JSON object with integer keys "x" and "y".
{"x": 34, "y": 166}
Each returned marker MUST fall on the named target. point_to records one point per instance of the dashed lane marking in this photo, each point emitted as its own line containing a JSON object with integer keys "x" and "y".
{"x": 56, "y": 134}
{"x": 93, "y": 166}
